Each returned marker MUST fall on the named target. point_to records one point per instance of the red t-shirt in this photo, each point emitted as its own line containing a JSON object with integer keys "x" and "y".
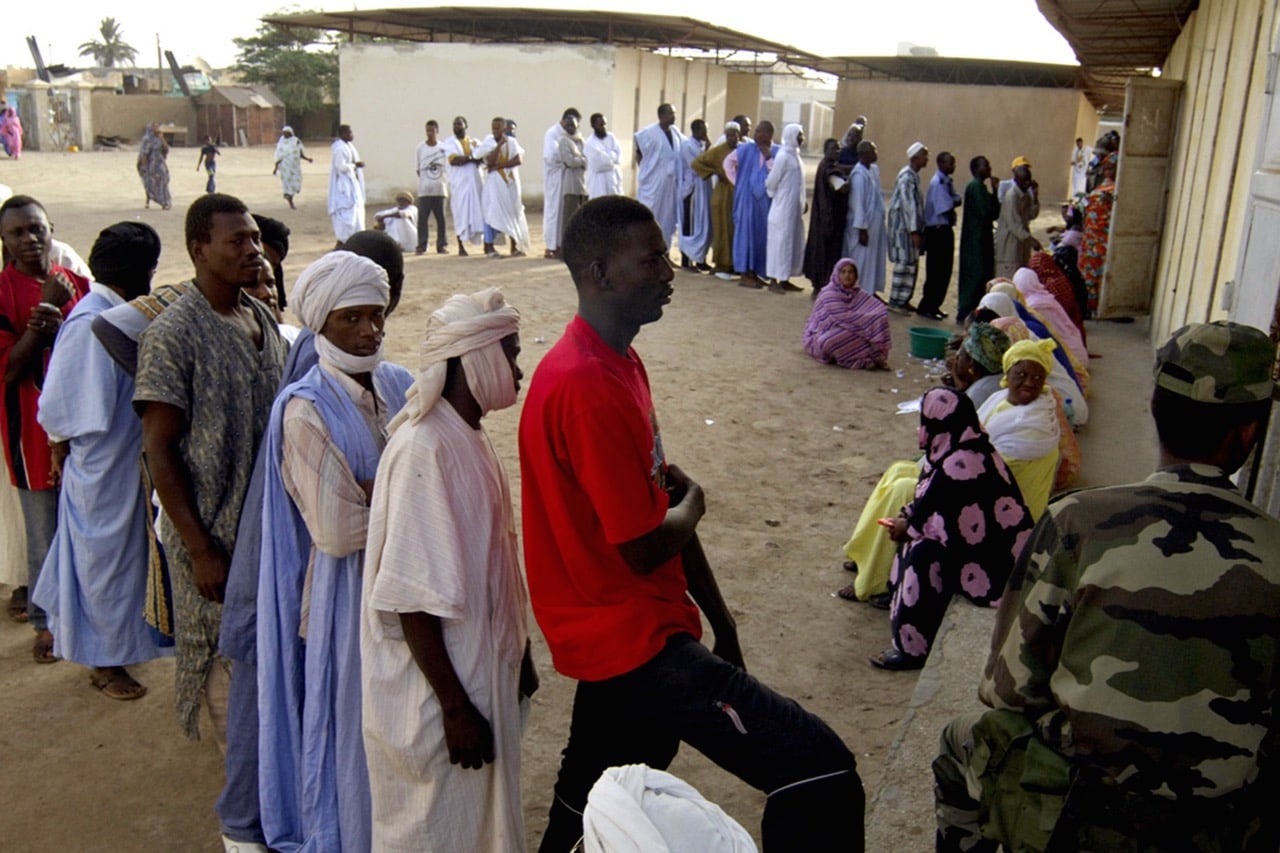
{"x": 593, "y": 474}
{"x": 26, "y": 445}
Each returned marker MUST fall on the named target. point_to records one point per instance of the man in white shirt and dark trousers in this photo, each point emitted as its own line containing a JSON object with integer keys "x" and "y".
{"x": 940, "y": 205}
{"x": 432, "y": 188}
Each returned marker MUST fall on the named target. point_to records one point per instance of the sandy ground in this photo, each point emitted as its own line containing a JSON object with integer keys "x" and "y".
{"x": 786, "y": 450}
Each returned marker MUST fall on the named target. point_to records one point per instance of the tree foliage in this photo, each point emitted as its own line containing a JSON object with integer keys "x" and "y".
{"x": 298, "y": 63}
{"x": 112, "y": 48}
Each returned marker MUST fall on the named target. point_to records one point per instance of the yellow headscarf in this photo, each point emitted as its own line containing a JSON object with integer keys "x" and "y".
{"x": 1041, "y": 352}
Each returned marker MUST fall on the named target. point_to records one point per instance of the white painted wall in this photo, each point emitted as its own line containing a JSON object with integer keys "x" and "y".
{"x": 389, "y": 91}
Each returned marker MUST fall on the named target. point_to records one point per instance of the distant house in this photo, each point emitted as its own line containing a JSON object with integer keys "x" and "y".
{"x": 239, "y": 115}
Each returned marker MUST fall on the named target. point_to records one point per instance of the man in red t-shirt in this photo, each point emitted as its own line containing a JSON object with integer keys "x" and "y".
{"x": 613, "y": 558}
{"x": 35, "y": 296}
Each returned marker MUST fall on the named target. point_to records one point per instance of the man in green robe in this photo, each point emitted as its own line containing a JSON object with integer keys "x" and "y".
{"x": 977, "y": 245}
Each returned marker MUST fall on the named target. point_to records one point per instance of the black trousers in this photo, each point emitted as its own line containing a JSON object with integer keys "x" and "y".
{"x": 814, "y": 799}
{"x": 431, "y": 205}
{"x": 939, "y": 259}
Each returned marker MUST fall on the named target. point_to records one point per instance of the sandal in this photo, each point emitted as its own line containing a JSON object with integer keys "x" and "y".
{"x": 42, "y": 651}
{"x": 116, "y": 683}
{"x": 883, "y": 601}
{"x": 18, "y": 604}
{"x": 850, "y": 566}
{"x": 895, "y": 661}
{"x": 848, "y": 593}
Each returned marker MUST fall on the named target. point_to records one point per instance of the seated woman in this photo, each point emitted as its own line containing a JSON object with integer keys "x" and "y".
{"x": 976, "y": 371}
{"x": 1004, "y": 316}
{"x": 961, "y": 533}
{"x": 1049, "y": 312}
{"x": 1023, "y": 422}
{"x": 848, "y": 326}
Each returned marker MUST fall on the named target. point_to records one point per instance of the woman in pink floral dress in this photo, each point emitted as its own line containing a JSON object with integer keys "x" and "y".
{"x": 961, "y": 533}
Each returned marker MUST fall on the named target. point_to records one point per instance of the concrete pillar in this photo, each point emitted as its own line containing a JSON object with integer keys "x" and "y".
{"x": 81, "y": 115}
{"x": 34, "y": 110}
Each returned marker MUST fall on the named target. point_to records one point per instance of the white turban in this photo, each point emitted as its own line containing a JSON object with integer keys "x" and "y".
{"x": 337, "y": 280}
{"x": 636, "y": 809}
{"x": 916, "y": 148}
{"x": 470, "y": 327}
{"x": 732, "y": 125}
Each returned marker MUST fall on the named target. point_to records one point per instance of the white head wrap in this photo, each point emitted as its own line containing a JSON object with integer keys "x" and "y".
{"x": 637, "y": 810}
{"x": 916, "y": 148}
{"x": 471, "y": 327}
{"x": 286, "y": 129}
{"x": 732, "y": 125}
{"x": 339, "y": 280}
{"x": 791, "y": 137}
{"x": 1001, "y": 303}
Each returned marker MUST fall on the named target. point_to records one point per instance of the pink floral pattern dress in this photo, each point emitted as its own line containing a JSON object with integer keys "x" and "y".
{"x": 965, "y": 527}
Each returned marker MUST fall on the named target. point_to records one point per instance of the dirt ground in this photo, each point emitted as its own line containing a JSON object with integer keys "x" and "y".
{"x": 786, "y": 450}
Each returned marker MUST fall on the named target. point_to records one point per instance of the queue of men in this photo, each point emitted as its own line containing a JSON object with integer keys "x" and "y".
{"x": 713, "y": 199}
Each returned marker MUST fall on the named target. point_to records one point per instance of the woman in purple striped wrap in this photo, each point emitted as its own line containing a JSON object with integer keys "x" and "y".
{"x": 848, "y": 326}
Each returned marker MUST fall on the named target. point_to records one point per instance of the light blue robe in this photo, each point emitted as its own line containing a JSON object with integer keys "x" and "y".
{"x": 751, "y": 210}
{"x": 695, "y": 229}
{"x": 311, "y": 763}
{"x": 866, "y": 210}
{"x": 658, "y": 180}
{"x": 94, "y": 581}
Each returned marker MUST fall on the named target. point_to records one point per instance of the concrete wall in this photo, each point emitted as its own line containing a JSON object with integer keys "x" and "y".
{"x": 742, "y": 96}
{"x": 127, "y": 115}
{"x": 532, "y": 84}
{"x": 1001, "y": 122}
{"x": 1221, "y": 56}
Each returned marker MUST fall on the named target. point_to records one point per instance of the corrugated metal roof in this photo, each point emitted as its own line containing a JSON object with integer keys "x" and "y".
{"x": 243, "y": 96}
{"x": 487, "y": 25}
{"x": 947, "y": 69}
{"x": 1117, "y": 39}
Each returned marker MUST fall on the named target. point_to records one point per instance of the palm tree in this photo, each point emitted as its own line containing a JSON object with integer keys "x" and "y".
{"x": 112, "y": 49}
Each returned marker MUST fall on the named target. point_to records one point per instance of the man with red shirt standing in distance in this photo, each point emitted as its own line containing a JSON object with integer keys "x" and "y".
{"x": 613, "y": 560}
{"x": 35, "y": 297}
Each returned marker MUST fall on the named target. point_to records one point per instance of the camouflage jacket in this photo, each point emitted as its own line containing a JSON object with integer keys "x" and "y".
{"x": 1140, "y": 633}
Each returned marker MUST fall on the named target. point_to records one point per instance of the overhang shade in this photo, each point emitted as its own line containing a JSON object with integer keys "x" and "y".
{"x": 487, "y": 25}
{"x": 1117, "y": 39}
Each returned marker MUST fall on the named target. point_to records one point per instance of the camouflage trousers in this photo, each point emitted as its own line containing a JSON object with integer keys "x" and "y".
{"x": 1032, "y": 811}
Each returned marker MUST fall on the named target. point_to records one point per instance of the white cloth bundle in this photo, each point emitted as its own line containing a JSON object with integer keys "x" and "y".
{"x": 636, "y": 809}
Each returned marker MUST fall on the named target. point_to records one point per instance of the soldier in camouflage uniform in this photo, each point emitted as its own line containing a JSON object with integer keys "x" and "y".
{"x": 1135, "y": 664}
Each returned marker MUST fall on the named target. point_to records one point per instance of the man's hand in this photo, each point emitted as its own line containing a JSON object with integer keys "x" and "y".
{"x": 529, "y": 681}
{"x": 58, "y": 451}
{"x": 995, "y": 184}
{"x": 863, "y": 237}
{"x": 917, "y": 239}
{"x": 210, "y": 567}
{"x": 55, "y": 290}
{"x": 685, "y": 491}
{"x": 468, "y": 736}
{"x": 45, "y": 320}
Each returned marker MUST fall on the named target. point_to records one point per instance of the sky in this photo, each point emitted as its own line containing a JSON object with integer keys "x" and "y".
{"x": 1003, "y": 29}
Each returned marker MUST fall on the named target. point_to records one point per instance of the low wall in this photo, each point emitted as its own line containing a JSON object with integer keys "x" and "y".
{"x": 127, "y": 115}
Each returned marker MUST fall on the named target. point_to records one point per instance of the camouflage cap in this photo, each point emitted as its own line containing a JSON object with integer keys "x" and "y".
{"x": 1217, "y": 363}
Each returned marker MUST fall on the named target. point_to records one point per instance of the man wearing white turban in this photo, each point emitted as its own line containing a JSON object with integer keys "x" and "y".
{"x": 784, "y": 255}
{"x": 324, "y": 440}
{"x": 443, "y": 638}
